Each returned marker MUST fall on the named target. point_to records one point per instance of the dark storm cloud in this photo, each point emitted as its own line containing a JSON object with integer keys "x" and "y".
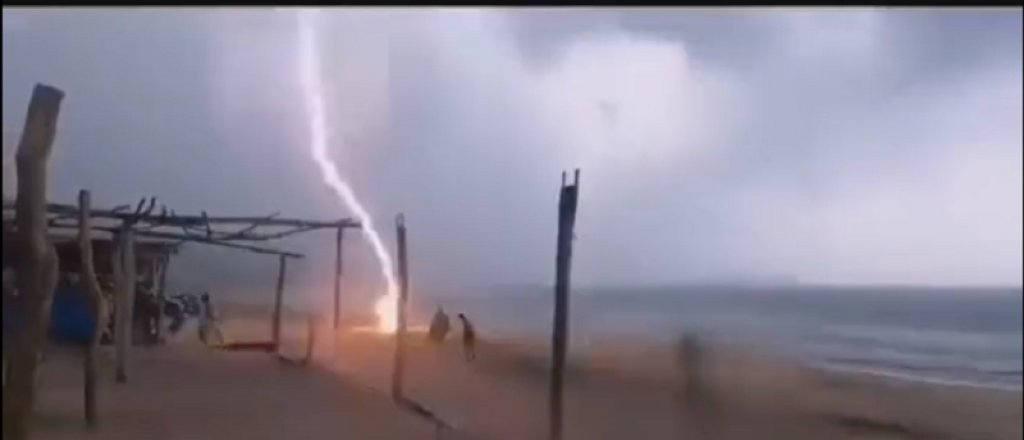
{"x": 847, "y": 146}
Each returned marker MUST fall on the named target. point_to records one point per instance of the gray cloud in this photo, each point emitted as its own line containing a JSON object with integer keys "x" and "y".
{"x": 846, "y": 146}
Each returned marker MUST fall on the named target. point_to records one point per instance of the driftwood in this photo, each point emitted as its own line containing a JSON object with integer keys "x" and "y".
{"x": 97, "y": 307}
{"x": 567, "y": 202}
{"x": 37, "y": 272}
{"x": 398, "y": 374}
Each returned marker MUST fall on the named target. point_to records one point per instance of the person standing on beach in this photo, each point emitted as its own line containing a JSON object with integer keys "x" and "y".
{"x": 691, "y": 392}
{"x": 148, "y": 308}
{"x": 439, "y": 326}
{"x": 207, "y": 320}
{"x": 468, "y": 338}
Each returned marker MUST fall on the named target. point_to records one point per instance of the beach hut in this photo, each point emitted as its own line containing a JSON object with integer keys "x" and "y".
{"x": 70, "y": 318}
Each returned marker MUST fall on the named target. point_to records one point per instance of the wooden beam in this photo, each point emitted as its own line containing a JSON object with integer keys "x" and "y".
{"x": 203, "y": 240}
{"x": 568, "y": 198}
{"x": 246, "y": 247}
{"x": 194, "y": 220}
{"x": 97, "y": 308}
{"x": 398, "y": 372}
{"x": 275, "y": 325}
{"x": 37, "y": 273}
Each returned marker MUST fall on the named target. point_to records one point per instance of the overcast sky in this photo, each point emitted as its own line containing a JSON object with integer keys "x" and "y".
{"x": 838, "y": 146}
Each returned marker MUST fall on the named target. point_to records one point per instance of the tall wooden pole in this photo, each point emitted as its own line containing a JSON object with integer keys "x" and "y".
{"x": 338, "y": 268}
{"x": 97, "y": 305}
{"x": 560, "y": 335}
{"x": 124, "y": 330}
{"x": 161, "y": 296}
{"x": 37, "y": 273}
{"x": 275, "y": 324}
{"x": 398, "y": 373}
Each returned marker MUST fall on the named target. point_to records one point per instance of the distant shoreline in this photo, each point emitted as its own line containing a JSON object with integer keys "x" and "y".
{"x": 648, "y": 346}
{"x": 919, "y": 379}
{"x": 883, "y": 340}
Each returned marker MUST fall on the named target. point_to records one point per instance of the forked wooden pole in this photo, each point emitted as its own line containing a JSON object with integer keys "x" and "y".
{"x": 567, "y": 202}
{"x": 37, "y": 274}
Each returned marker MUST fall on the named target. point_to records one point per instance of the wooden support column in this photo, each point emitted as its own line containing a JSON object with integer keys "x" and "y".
{"x": 97, "y": 306}
{"x": 398, "y": 373}
{"x": 310, "y": 338}
{"x": 567, "y": 202}
{"x": 37, "y": 272}
{"x": 124, "y": 273}
{"x": 275, "y": 323}
{"x": 161, "y": 295}
{"x": 338, "y": 269}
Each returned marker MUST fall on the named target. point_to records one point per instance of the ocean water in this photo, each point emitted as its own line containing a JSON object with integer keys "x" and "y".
{"x": 955, "y": 336}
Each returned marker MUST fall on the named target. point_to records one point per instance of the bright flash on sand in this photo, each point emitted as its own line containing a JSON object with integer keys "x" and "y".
{"x": 386, "y": 307}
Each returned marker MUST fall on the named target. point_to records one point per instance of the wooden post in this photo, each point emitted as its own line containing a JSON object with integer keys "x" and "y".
{"x": 97, "y": 305}
{"x": 337, "y": 276}
{"x": 37, "y": 272}
{"x": 124, "y": 328}
{"x": 161, "y": 296}
{"x": 310, "y": 338}
{"x": 560, "y": 333}
{"x": 275, "y": 323}
{"x": 9, "y": 303}
{"x": 117, "y": 306}
{"x": 398, "y": 373}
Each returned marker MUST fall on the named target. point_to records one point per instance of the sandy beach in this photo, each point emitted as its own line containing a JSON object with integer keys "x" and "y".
{"x": 621, "y": 391}
{"x": 187, "y": 392}
{"x": 617, "y": 391}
